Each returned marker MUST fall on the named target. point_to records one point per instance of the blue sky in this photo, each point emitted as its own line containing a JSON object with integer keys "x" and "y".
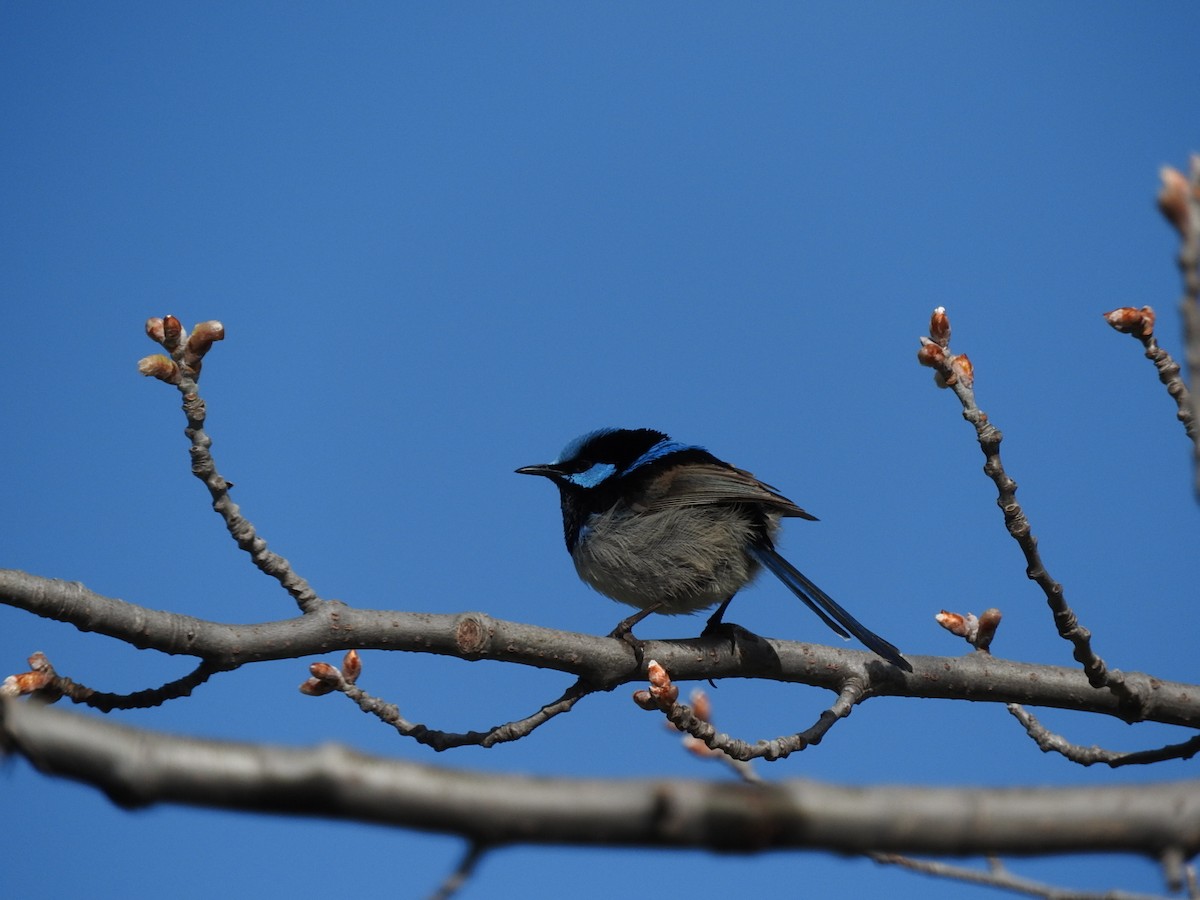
{"x": 444, "y": 239}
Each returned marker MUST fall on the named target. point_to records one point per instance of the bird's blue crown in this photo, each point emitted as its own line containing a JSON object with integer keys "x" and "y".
{"x": 609, "y": 452}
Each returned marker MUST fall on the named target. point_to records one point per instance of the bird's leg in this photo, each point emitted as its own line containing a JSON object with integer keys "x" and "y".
{"x": 624, "y": 631}
{"x": 715, "y": 622}
{"x": 717, "y": 627}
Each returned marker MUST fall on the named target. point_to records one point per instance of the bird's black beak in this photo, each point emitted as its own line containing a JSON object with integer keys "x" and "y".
{"x": 547, "y": 470}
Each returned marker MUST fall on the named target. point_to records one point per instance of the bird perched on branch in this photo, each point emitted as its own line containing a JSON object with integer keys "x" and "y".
{"x": 667, "y": 527}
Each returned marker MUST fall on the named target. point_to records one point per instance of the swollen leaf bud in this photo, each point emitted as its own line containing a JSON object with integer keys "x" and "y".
{"x": 962, "y": 369}
{"x": 643, "y": 699}
{"x": 351, "y": 666}
{"x": 953, "y": 622}
{"x": 1128, "y": 320}
{"x": 989, "y": 621}
{"x": 1173, "y": 199}
{"x": 201, "y": 341}
{"x": 939, "y": 327}
{"x": 661, "y": 688}
{"x": 160, "y": 367}
{"x": 931, "y": 354}
{"x": 323, "y": 671}
{"x": 40, "y": 676}
{"x": 172, "y": 332}
{"x": 314, "y": 688}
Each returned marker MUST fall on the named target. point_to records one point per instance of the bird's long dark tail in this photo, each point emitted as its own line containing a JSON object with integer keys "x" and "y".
{"x": 824, "y": 606}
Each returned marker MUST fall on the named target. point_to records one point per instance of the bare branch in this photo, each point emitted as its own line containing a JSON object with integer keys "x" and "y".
{"x": 664, "y": 697}
{"x": 1140, "y": 324}
{"x": 389, "y": 714}
{"x": 49, "y": 686}
{"x": 457, "y": 879}
{"x": 702, "y": 708}
{"x": 1179, "y": 201}
{"x": 137, "y": 767}
{"x": 187, "y": 353}
{"x": 1048, "y": 741}
{"x": 955, "y": 371}
{"x": 998, "y": 876}
{"x": 601, "y": 661}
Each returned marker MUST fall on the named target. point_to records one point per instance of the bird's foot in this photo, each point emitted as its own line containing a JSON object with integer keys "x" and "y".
{"x": 624, "y": 632}
{"x": 730, "y": 632}
{"x": 719, "y": 629}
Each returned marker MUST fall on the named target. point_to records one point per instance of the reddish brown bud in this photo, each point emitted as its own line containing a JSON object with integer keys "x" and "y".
{"x": 643, "y": 699}
{"x": 172, "y": 332}
{"x": 1128, "y": 320}
{"x": 314, "y": 688}
{"x": 325, "y": 672}
{"x": 931, "y": 354}
{"x": 325, "y": 679}
{"x": 701, "y": 705}
{"x": 351, "y": 666}
{"x": 989, "y": 621}
{"x": 40, "y": 676}
{"x": 201, "y": 341}
{"x": 962, "y": 369}
{"x": 1123, "y": 319}
{"x": 952, "y": 622}
{"x": 1173, "y": 199}
{"x": 154, "y": 330}
{"x": 661, "y": 688}
{"x": 25, "y": 683}
{"x": 1147, "y": 321}
{"x": 160, "y": 367}
{"x": 656, "y": 674}
{"x": 939, "y": 327}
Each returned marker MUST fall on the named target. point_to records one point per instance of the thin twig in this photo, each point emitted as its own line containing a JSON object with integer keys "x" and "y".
{"x": 187, "y": 354}
{"x": 1050, "y": 742}
{"x": 44, "y": 683}
{"x": 664, "y": 697}
{"x": 1189, "y": 268}
{"x": 144, "y": 699}
{"x": 389, "y": 714}
{"x": 462, "y": 873}
{"x": 956, "y": 372}
{"x": 1139, "y": 324}
{"x": 205, "y": 468}
{"x": 998, "y": 876}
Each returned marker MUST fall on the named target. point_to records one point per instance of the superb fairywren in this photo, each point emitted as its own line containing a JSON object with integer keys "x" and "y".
{"x": 667, "y": 527}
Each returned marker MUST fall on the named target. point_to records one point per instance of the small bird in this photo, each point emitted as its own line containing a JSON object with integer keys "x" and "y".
{"x": 667, "y": 527}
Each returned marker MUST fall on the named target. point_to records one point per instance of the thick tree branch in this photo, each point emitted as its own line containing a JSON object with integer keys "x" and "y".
{"x": 137, "y": 767}
{"x": 601, "y": 661}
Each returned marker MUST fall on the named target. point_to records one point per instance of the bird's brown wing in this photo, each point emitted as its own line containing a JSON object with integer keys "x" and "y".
{"x": 711, "y": 483}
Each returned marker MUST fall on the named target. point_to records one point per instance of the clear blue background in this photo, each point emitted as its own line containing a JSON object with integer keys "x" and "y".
{"x": 444, "y": 239}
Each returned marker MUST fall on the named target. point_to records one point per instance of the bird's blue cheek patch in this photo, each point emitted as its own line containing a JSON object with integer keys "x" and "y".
{"x": 591, "y": 477}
